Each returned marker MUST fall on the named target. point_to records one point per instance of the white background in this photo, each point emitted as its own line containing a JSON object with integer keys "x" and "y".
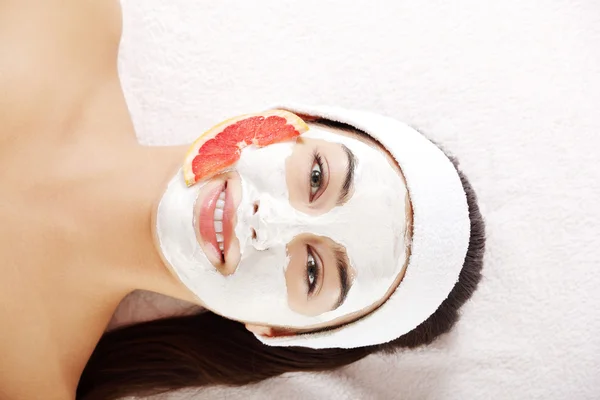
{"x": 511, "y": 87}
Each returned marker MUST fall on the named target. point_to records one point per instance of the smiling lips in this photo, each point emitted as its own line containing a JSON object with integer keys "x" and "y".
{"x": 216, "y": 220}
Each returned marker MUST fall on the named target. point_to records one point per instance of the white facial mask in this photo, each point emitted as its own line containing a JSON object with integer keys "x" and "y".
{"x": 371, "y": 226}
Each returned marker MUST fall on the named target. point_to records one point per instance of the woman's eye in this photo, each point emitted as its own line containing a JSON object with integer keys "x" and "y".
{"x": 316, "y": 179}
{"x": 312, "y": 271}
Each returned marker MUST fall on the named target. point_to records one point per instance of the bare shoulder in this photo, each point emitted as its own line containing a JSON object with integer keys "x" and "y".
{"x": 61, "y": 31}
{"x": 41, "y": 389}
{"x": 26, "y": 377}
{"x": 29, "y": 367}
{"x": 53, "y": 53}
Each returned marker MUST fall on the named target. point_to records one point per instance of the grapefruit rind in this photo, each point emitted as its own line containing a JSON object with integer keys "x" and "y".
{"x": 190, "y": 177}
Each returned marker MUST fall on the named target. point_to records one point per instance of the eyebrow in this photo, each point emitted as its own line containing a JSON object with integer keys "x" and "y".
{"x": 349, "y": 179}
{"x": 341, "y": 262}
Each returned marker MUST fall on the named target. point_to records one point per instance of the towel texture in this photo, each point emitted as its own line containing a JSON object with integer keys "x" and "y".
{"x": 512, "y": 88}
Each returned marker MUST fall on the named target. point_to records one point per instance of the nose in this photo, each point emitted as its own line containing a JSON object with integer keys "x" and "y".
{"x": 255, "y": 207}
{"x": 274, "y": 222}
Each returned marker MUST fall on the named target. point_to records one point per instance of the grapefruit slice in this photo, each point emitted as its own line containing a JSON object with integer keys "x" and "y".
{"x": 220, "y": 147}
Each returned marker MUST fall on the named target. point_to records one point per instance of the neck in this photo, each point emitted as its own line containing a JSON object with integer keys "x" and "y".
{"x": 114, "y": 227}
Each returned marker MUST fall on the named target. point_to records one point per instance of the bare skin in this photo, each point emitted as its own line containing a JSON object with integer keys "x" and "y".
{"x": 74, "y": 183}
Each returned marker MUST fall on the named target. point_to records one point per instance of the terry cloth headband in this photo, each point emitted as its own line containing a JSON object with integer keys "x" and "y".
{"x": 440, "y": 239}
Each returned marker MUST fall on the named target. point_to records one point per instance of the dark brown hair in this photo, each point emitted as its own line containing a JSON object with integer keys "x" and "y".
{"x": 206, "y": 349}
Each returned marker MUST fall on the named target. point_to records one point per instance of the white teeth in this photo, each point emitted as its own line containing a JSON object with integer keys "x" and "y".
{"x": 218, "y": 220}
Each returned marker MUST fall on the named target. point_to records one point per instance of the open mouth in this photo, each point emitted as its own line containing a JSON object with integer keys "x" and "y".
{"x": 216, "y": 222}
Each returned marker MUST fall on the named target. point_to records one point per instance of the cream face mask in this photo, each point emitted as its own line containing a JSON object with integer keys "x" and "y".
{"x": 370, "y": 226}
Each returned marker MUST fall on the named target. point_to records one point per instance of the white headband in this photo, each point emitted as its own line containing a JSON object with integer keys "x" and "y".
{"x": 440, "y": 239}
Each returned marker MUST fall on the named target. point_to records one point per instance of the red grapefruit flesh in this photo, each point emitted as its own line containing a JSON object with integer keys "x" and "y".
{"x": 220, "y": 147}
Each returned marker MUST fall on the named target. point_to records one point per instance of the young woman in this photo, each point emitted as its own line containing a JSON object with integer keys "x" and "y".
{"x": 357, "y": 237}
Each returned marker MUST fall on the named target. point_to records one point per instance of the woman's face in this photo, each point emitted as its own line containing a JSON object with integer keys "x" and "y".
{"x": 301, "y": 234}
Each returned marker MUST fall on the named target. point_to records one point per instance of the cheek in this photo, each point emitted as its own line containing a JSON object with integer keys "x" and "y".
{"x": 295, "y": 171}
{"x": 265, "y": 167}
{"x": 260, "y": 274}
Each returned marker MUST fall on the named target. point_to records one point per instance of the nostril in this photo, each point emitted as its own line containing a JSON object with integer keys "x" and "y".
{"x": 253, "y": 233}
{"x": 255, "y": 209}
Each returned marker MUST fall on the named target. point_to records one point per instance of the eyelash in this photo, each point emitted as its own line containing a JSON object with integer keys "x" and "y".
{"x": 316, "y": 273}
{"x": 317, "y": 161}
